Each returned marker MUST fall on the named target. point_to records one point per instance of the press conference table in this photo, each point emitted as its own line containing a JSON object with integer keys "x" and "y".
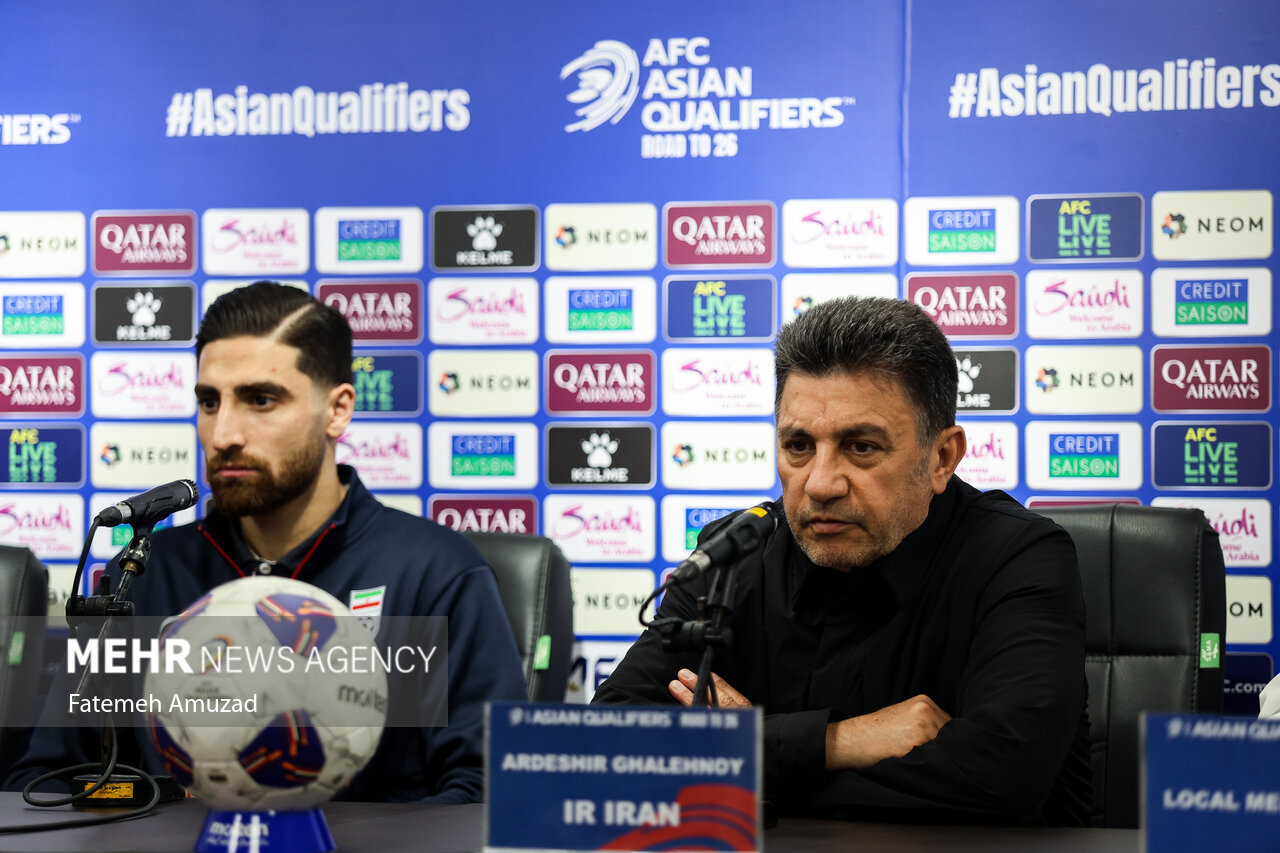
{"x": 395, "y": 827}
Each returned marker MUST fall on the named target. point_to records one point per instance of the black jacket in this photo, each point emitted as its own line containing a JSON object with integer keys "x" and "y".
{"x": 980, "y": 609}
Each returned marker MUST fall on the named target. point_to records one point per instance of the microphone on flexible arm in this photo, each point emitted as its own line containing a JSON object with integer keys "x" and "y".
{"x": 743, "y": 535}
{"x": 151, "y": 506}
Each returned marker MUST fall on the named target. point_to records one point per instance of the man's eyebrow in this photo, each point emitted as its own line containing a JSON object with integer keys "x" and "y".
{"x": 248, "y": 389}
{"x": 853, "y": 432}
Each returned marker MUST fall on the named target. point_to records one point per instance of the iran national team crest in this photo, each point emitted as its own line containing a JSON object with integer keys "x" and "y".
{"x": 366, "y": 605}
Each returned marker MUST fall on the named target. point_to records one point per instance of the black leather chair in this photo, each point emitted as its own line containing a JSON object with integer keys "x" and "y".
{"x": 23, "y": 607}
{"x": 533, "y": 580}
{"x": 1154, "y": 584}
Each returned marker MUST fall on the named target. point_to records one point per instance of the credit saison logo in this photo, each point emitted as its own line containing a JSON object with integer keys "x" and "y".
{"x": 739, "y": 308}
{"x": 41, "y": 385}
{"x": 368, "y": 239}
{"x": 387, "y": 383}
{"x": 144, "y": 242}
{"x": 1218, "y": 302}
{"x": 372, "y": 108}
{"x": 485, "y": 514}
{"x": 587, "y": 383}
{"x": 480, "y": 237}
{"x": 703, "y": 235}
{"x": 1092, "y": 455}
{"x": 1089, "y": 228}
{"x": 33, "y": 315}
{"x": 968, "y": 305}
{"x": 378, "y": 240}
{"x": 600, "y": 455}
{"x": 36, "y": 128}
{"x": 600, "y": 309}
{"x": 42, "y": 456}
{"x": 972, "y": 230}
{"x": 1209, "y": 378}
{"x": 682, "y": 91}
{"x": 1211, "y": 455}
{"x": 961, "y": 230}
{"x": 696, "y": 518}
{"x": 483, "y": 455}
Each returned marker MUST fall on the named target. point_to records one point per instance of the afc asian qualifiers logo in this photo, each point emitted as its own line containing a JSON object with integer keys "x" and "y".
{"x": 1213, "y": 225}
{"x": 1083, "y": 456}
{"x": 42, "y": 457}
{"x": 488, "y": 238}
{"x": 602, "y": 528}
{"x": 388, "y": 384}
{"x": 600, "y": 455}
{"x": 485, "y": 513}
{"x": 739, "y": 234}
{"x": 585, "y": 383}
{"x": 369, "y": 240}
{"x": 1084, "y": 304}
{"x": 1211, "y": 302}
{"x": 1243, "y": 526}
{"x": 154, "y": 315}
{"x": 975, "y": 305}
{"x": 1211, "y": 455}
{"x": 991, "y": 462}
{"x": 483, "y": 310}
{"x": 840, "y": 232}
{"x": 144, "y": 243}
{"x": 1211, "y": 378}
{"x": 608, "y": 79}
{"x": 987, "y": 381}
{"x": 256, "y": 241}
{"x": 377, "y": 311}
{"x": 1065, "y": 228}
{"x": 963, "y": 230}
{"x": 42, "y": 244}
{"x": 725, "y": 308}
{"x": 387, "y": 455}
{"x": 41, "y": 385}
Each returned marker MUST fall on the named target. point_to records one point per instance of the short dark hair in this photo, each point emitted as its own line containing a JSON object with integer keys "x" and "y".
{"x": 320, "y": 333}
{"x": 885, "y": 336}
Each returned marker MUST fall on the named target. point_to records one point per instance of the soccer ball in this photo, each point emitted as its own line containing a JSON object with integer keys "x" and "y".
{"x": 254, "y": 727}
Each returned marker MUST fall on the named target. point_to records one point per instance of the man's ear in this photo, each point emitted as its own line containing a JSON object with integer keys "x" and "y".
{"x": 948, "y": 450}
{"x": 340, "y": 405}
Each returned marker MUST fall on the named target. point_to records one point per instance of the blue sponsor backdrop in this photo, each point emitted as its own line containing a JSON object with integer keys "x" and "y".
{"x": 141, "y": 106}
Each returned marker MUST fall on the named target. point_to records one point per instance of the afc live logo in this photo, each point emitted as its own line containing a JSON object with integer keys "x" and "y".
{"x": 1084, "y": 228}
{"x": 738, "y": 308}
{"x": 1211, "y": 455}
{"x": 387, "y": 383}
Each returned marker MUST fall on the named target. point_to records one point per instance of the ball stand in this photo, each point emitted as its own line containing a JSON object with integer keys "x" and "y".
{"x": 266, "y": 832}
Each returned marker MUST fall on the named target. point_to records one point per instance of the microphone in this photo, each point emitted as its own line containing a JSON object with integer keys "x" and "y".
{"x": 151, "y": 506}
{"x": 740, "y": 537}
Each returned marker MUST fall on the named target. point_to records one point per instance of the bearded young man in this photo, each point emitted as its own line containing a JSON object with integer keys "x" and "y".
{"x": 274, "y": 393}
{"x": 917, "y": 645}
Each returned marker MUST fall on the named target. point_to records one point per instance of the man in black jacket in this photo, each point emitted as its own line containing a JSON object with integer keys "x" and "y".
{"x": 917, "y": 645}
{"x": 274, "y": 394}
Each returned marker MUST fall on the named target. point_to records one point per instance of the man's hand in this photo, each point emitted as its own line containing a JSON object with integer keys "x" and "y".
{"x": 686, "y": 682}
{"x": 891, "y": 732}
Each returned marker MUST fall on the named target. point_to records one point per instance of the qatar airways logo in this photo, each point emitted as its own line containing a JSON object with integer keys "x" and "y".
{"x": 1211, "y": 378}
{"x": 600, "y": 382}
{"x": 1084, "y": 304}
{"x": 982, "y": 305}
{"x": 144, "y": 243}
{"x": 143, "y": 385}
{"x": 50, "y": 525}
{"x": 602, "y": 528}
{"x": 256, "y": 241}
{"x": 702, "y": 235}
{"x": 41, "y": 385}
{"x": 841, "y": 232}
{"x": 703, "y": 381}
{"x": 387, "y": 456}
